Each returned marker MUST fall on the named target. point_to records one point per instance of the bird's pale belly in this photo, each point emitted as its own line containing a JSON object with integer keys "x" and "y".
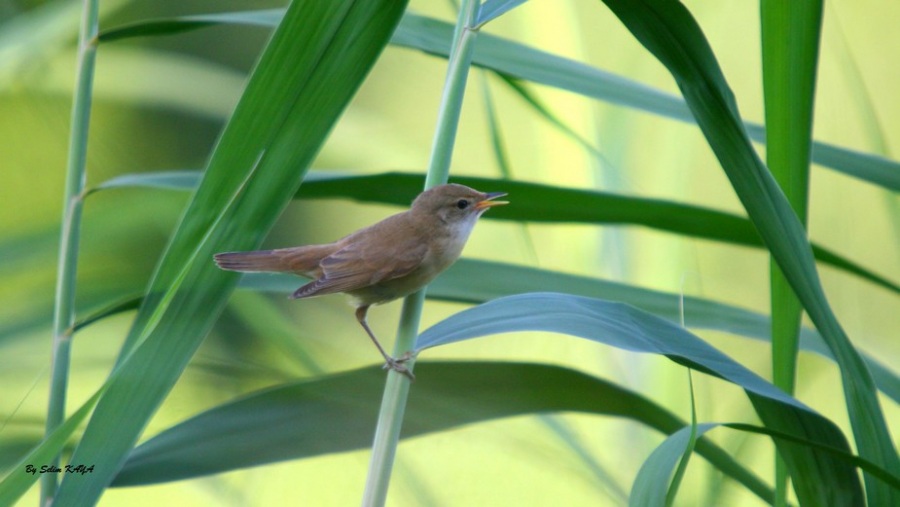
{"x": 390, "y": 290}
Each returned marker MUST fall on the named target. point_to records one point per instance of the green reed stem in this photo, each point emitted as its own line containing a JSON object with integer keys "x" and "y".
{"x": 76, "y": 175}
{"x": 396, "y": 391}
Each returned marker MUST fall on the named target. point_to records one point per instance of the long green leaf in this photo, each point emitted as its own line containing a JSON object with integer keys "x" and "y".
{"x": 474, "y": 282}
{"x": 517, "y": 60}
{"x": 790, "y": 54}
{"x": 468, "y": 281}
{"x": 493, "y": 9}
{"x": 262, "y": 17}
{"x": 651, "y": 485}
{"x": 546, "y": 204}
{"x": 314, "y": 62}
{"x": 337, "y": 414}
{"x": 790, "y": 33}
{"x": 668, "y": 31}
{"x": 819, "y": 478}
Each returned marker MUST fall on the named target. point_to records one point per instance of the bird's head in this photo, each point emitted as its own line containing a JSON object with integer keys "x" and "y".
{"x": 454, "y": 206}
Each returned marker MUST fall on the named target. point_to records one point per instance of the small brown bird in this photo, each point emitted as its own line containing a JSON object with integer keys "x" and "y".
{"x": 385, "y": 261}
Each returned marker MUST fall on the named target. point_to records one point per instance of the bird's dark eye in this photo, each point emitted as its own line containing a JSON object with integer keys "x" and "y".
{"x": 462, "y": 204}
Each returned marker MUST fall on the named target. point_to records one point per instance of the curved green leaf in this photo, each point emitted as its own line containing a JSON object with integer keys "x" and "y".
{"x": 512, "y": 59}
{"x": 313, "y": 64}
{"x": 337, "y": 413}
{"x": 819, "y": 478}
{"x": 493, "y": 9}
{"x": 474, "y": 281}
{"x": 517, "y": 60}
{"x": 651, "y": 485}
{"x": 790, "y": 55}
{"x": 545, "y": 204}
{"x": 670, "y": 33}
{"x": 263, "y": 17}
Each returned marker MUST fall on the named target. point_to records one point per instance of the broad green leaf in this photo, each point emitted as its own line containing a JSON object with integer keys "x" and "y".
{"x": 493, "y": 9}
{"x": 337, "y": 414}
{"x": 263, "y": 17}
{"x": 517, "y": 60}
{"x": 790, "y": 55}
{"x": 474, "y": 282}
{"x": 545, "y": 204}
{"x": 687, "y": 451}
{"x": 790, "y": 34}
{"x": 651, "y": 485}
{"x": 523, "y": 62}
{"x": 670, "y": 33}
{"x": 313, "y": 64}
{"x": 819, "y": 478}
{"x": 888, "y": 479}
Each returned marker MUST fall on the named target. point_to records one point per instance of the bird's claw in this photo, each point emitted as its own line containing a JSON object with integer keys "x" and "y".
{"x": 398, "y": 366}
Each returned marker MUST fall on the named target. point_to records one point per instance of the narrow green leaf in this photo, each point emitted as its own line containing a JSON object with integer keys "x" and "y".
{"x": 790, "y": 44}
{"x": 337, "y": 414}
{"x": 493, "y": 9}
{"x": 307, "y": 74}
{"x": 493, "y": 121}
{"x": 474, "y": 282}
{"x": 688, "y": 450}
{"x": 819, "y": 478}
{"x": 892, "y": 481}
{"x": 185, "y": 180}
{"x": 171, "y": 26}
{"x": 517, "y": 60}
{"x": 651, "y": 485}
{"x": 790, "y": 34}
{"x": 670, "y": 33}
{"x": 546, "y": 204}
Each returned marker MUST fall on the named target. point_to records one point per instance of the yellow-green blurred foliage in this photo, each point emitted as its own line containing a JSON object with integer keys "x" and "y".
{"x": 160, "y": 102}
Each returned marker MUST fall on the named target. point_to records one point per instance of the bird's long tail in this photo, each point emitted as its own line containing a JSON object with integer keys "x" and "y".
{"x": 263, "y": 260}
{"x": 300, "y": 260}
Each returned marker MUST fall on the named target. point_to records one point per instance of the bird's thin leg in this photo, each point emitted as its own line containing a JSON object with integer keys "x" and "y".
{"x": 394, "y": 364}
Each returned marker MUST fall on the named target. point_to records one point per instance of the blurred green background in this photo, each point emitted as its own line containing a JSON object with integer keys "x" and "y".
{"x": 160, "y": 103}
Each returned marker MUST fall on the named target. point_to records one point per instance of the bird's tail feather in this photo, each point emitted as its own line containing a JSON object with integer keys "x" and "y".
{"x": 302, "y": 260}
{"x": 262, "y": 260}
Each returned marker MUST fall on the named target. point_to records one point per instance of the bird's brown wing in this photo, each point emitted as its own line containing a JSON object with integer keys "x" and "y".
{"x": 360, "y": 265}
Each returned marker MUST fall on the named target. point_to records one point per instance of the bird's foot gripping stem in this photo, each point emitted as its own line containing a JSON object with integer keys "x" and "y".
{"x": 399, "y": 366}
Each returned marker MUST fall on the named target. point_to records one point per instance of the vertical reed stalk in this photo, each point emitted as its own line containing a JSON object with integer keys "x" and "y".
{"x": 76, "y": 175}
{"x": 396, "y": 391}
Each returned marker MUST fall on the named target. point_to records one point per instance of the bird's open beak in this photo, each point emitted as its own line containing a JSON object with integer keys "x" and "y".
{"x": 488, "y": 202}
